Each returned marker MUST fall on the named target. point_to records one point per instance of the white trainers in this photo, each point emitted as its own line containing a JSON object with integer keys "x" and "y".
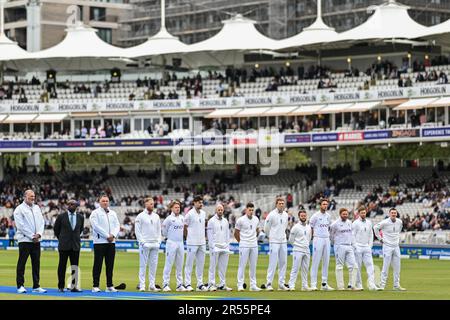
{"x": 283, "y": 287}
{"x": 224, "y": 288}
{"x": 374, "y": 288}
{"x": 180, "y": 288}
{"x": 357, "y": 289}
{"x": 291, "y": 288}
{"x": 327, "y": 288}
{"x": 22, "y": 290}
{"x": 166, "y": 288}
{"x": 96, "y": 290}
{"x": 111, "y": 289}
{"x": 39, "y": 290}
{"x": 399, "y": 289}
{"x": 257, "y": 289}
{"x": 188, "y": 288}
{"x": 154, "y": 289}
{"x": 307, "y": 289}
{"x": 241, "y": 289}
{"x": 202, "y": 287}
{"x": 141, "y": 289}
{"x": 314, "y": 289}
{"x": 269, "y": 287}
{"x": 212, "y": 288}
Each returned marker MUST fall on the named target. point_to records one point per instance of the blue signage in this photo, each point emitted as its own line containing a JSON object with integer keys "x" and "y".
{"x": 324, "y": 137}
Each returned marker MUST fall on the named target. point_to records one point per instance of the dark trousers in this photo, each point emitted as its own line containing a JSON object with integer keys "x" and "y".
{"x": 34, "y": 251}
{"x": 74, "y": 257}
{"x": 102, "y": 251}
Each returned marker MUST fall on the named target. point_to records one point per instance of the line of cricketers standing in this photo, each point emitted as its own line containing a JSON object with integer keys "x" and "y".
{"x": 352, "y": 246}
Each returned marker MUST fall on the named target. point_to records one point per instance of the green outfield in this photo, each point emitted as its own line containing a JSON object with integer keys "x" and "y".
{"x": 423, "y": 279}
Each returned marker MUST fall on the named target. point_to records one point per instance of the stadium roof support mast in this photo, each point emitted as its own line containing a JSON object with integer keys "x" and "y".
{"x": 163, "y": 28}
{"x": 319, "y": 21}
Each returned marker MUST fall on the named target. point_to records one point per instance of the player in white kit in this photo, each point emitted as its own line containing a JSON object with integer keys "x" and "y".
{"x": 195, "y": 232}
{"x": 218, "y": 232}
{"x": 246, "y": 233}
{"x": 148, "y": 234}
{"x": 300, "y": 238}
{"x": 391, "y": 228}
{"x": 363, "y": 236}
{"x": 275, "y": 227}
{"x": 320, "y": 223}
{"x": 342, "y": 237}
{"x": 173, "y": 229}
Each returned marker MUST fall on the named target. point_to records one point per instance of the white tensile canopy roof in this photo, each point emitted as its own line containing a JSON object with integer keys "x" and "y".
{"x": 317, "y": 33}
{"x": 11, "y": 53}
{"x": 237, "y": 36}
{"x": 389, "y": 21}
{"x": 164, "y": 45}
{"x": 81, "y": 49}
{"x": 439, "y": 32}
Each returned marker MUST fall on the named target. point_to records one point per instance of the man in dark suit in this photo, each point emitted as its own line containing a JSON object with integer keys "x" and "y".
{"x": 68, "y": 228}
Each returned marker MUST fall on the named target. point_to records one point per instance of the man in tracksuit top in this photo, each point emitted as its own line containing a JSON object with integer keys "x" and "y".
{"x": 391, "y": 228}
{"x": 172, "y": 229}
{"x": 148, "y": 234}
{"x": 275, "y": 228}
{"x": 218, "y": 242}
{"x": 30, "y": 227}
{"x": 195, "y": 232}
{"x": 300, "y": 238}
{"x": 105, "y": 228}
{"x": 363, "y": 235}
{"x": 320, "y": 223}
{"x": 342, "y": 237}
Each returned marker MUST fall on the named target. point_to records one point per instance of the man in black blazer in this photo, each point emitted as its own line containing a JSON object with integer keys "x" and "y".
{"x": 68, "y": 228}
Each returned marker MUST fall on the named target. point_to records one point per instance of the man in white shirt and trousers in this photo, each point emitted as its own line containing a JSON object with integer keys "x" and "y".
{"x": 275, "y": 227}
{"x": 218, "y": 232}
{"x": 195, "y": 232}
{"x": 30, "y": 228}
{"x": 320, "y": 223}
{"x": 363, "y": 236}
{"x": 390, "y": 238}
{"x": 342, "y": 238}
{"x": 105, "y": 228}
{"x": 246, "y": 233}
{"x": 172, "y": 230}
{"x": 148, "y": 234}
{"x": 300, "y": 238}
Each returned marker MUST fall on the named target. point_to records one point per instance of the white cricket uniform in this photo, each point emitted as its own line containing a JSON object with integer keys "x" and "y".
{"x": 29, "y": 221}
{"x": 320, "y": 223}
{"x": 196, "y": 245}
{"x": 218, "y": 232}
{"x": 300, "y": 238}
{"x": 342, "y": 237}
{"x": 173, "y": 229}
{"x": 275, "y": 227}
{"x": 148, "y": 234}
{"x": 363, "y": 236}
{"x": 248, "y": 248}
{"x": 391, "y": 248}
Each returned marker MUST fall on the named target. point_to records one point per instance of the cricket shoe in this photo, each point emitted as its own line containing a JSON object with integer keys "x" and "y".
{"x": 314, "y": 289}
{"x": 326, "y": 287}
{"x": 180, "y": 288}
{"x": 167, "y": 288}
{"x": 399, "y": 289}
{"x": 22, "y": 290}
{"x": 224, "y": 288}
{"x": 212, "y": 288}
{"x": 256, "y": 289}
{"x": 188, "y": 288}
{"x": 283, "y": 287}
{"x": 154, "y": 289}
{"x": 291, "y": 288}
{"x": 39, "y": 290}
{"x": 111, "y": 289}
{"x": 269, "y": 287}
{"x": 96, "y": 290}
{"x": 202, "y": 287}
{"x": 241, "y": 289}
{"x": 142, "y": 289}
{"x": 308, "y": 289}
